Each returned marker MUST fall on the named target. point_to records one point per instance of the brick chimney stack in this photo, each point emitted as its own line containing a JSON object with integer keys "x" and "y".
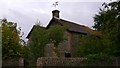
{"x": 55, "y": 13}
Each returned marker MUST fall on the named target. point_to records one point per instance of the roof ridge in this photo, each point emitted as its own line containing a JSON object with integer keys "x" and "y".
{"x": 74, "y": 23}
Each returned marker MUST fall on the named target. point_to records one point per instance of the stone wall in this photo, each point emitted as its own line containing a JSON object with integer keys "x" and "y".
{"x": 10, "y": 62}
{"x": 13, "y": 63}
{"x": 56, "y": 61}
{"x": 49, "y": 61}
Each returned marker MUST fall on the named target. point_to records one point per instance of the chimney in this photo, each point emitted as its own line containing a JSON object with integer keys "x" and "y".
{"x": 55, "y": 13}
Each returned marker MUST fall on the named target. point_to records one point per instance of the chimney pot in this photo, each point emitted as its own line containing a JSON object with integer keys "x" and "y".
{"x": 55, "y": 13}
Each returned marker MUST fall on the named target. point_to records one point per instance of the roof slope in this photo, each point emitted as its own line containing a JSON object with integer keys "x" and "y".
{"x": 73, "y": 27}
{"x": 34, "y": 26}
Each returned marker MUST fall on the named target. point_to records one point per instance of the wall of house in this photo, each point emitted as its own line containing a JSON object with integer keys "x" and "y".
{"x": 55, "y": 22}
{"x": 62, "y": 47}
{"x": 68, "y": 45}
{"x": 72, "y": 41}
{"x": 76, "y": 41}
{"x": 49, "y": 50}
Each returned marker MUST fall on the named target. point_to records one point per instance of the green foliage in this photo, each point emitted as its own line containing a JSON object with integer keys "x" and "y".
{"x": 25, "y": 52}
{"x": 41, "y": 36}
{"x": 89, "y": 45}
{"x": 108, "y": 22}
{"x": 93, "y": 49}
{"x": 56, "y": 34}
{"x": 10, "y": 40}
{"x": 38, "y": 41}
{"x": 99, "y": 57}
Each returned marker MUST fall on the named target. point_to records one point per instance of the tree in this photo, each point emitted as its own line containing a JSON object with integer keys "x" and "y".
{"x": 41, "y": 36}
{"x": 10, "y": 40}
{"x": 38, "y": 41}
{"x": 89, "y": 44}
{"x": 108, "y": 22}
{"x": 56, "y": 36}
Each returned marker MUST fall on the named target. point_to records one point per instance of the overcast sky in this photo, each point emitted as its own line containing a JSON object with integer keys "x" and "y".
{"x": 27, "y": 12}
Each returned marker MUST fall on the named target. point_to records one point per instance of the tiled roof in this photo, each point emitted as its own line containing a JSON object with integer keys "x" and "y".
{"x": 73, "y": 27}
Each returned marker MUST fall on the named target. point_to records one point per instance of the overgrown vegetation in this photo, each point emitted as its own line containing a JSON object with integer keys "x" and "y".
{"x": 89, "y": 45}
{"x": 41, "y": 36}
{"x": 56, "y": 34}
{"x": 99, "y": 57}
{"x": 14, "y": 47}
{"x": 11, "y": 47}
{"x": 38, "y": 39}
{"x": 107, "y": 21}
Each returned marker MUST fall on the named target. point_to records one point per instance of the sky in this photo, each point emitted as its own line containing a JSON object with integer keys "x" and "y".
{"x": 28, "y": 12}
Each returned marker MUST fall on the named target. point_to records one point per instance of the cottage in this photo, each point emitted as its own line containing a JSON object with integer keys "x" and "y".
{"x": 72, "y": 33}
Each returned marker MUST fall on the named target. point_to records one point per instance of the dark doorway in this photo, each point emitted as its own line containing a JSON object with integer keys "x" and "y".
{"x": 67, "y": 54}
